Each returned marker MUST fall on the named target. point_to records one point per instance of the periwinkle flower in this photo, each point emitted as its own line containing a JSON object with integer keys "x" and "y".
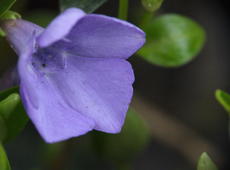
{"x": 74, "y": 76}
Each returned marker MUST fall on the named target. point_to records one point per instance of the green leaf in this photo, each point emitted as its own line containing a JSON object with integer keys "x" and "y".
{"x": 152, "y": 5}
{"x": 205, "y": 163}
{"x": 172, "y": 40}
{"x": 13, "y": 116}
{"x": 2, "y": 33}
{"x": 3, "y": 129}
{"x": 5, "y": 93}
{"x": 10, "y": 15}
{"x": 41, "y": 17}
{"x": 128, "y": 143}
{"x": 224, "y": 99}
{"x": 86, "y": 5}
{"x": 4, "y": 163}
{"x": 5, "y": 5}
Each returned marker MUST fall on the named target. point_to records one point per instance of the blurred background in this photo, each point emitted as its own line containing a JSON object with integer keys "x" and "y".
{"x": 174, "y": 117}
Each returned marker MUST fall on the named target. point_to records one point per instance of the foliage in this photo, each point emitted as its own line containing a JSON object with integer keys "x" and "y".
{"x": 13, "y": 116}
{"x": 224, "y": 99}
{"x": 4, "y": 163}
{"x": 5, "y": 5}
{"x": 172, "y": 40}
{"x": 205, "y": 163}
{"x": 86, "y": 5}
{"x": 152, "y": 5}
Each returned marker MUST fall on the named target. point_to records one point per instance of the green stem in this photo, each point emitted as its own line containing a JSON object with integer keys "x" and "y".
{"x": 123, "y": 9}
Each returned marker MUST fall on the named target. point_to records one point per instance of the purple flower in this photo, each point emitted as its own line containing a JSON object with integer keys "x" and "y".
{"x": 74, "y": 76}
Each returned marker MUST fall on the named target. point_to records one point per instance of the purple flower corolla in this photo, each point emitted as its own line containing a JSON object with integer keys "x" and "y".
{"x": 74, "y": 76}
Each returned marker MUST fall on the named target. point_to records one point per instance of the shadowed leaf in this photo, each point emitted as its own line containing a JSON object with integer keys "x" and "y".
{"x": 5, "y": 5}
{"x": 12, "y": 114}
{"x": 86, "y": 5}
{"x": 4, "y": 163}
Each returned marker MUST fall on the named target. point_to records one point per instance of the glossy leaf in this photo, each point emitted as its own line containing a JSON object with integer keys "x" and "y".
{"x": 172, "y": 40}
{"x": 4, "y": 163}
{"x": 205, "y": 163}
{"x": 5, "y": 5}
{"x": 13, "y": 116}
{"x": 151, "y": 5}
{"x": 86, "y": 5}
{"x": 224, "y": 99}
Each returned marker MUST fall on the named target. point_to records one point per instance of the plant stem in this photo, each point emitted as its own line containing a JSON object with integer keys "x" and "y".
{"x": 123, "y": 9}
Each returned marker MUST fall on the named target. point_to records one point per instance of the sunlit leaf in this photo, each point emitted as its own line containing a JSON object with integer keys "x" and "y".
{"x": 86, "y": 5}
{"x": 13, "y": 116}
{"x": 224, "y": 99}
{"x": 152, "y": 5}
{"x": 4, "y": 163}
{"x": 172, "y": 40}
{"x": 205, "y": 163}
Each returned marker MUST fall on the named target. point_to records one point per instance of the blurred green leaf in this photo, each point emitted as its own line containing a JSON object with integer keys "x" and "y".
{"x": 5, "y": 5}
{"x": 205, "y": 163}
{"x": 51, "y": 151}
{"x": 2, "y": 33}
{"x": 10, "y": 15}
{"x": 41, "y": 17}
{"x": 172, "y": 40}
{"x": 128, "y": 143}
{"x": 152, "y": 5}
{"x": 4, "y": 163}
{"x": 13, "y": 116}
{"x": 224, "y": 99}
{"x": 3, "y": 130}
{"x": 86, "y": 5}
{"x": 5, "y": 93}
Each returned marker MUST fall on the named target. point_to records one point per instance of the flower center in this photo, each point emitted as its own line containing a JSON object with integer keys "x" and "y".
{"x": 49, "y": 60}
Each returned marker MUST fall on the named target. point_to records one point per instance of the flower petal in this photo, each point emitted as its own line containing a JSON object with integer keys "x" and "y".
{"x": 21, "y": 34}
{"x": 99, "y": 88}
{"x": 52, "y": 116}
{"x": 60, "y": 26}
{"x": 103, "y": 36}
{"x": 98, "y": 36}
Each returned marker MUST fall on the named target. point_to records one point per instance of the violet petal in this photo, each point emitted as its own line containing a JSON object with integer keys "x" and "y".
{"x": 21, "y": 34}
{"x": 48, "y": 110}
{"x": 100, "y": 89}
{"x": 60, "y": 26}
{"x": 96, "y": 36}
